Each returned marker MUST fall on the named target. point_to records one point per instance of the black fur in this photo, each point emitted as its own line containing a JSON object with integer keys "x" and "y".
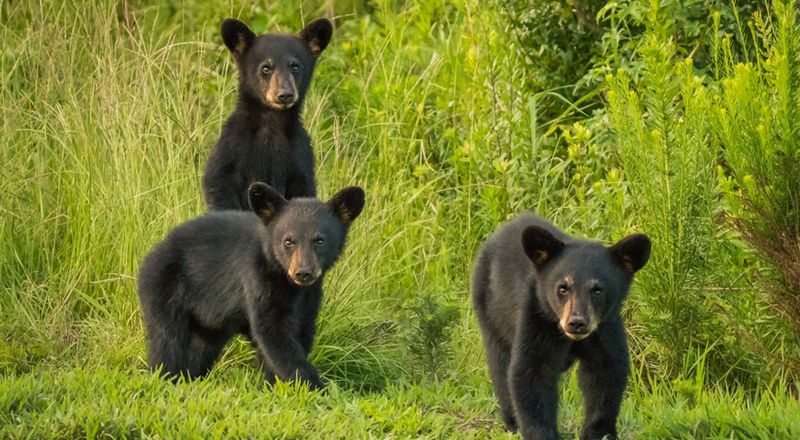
{"x": 234, "y": 272}
{"x": 544, "y": 300}
{"x": 264, "y": 140}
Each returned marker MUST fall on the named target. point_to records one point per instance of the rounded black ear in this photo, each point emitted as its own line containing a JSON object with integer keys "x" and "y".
{"x": 347, "y": 204}
{"x": 632, "y": 252}
{"x": 237, "y": 36}
{"x": 317, "y": 35}
{"x": 540, "y": 245}
{"x": 264, "y": 201}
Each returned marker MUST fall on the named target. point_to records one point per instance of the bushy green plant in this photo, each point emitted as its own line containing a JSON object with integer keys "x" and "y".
{"x": 673, "y": 126}
{"x": 758, "y": 126}
{"x": 663, "y": 131}
{"x": 426, "y": 328}
{"x": 569, "y": 46}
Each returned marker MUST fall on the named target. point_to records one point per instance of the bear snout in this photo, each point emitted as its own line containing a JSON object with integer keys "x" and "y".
{"x": 577, "y": 328}
{"x": 281, "y": 91}
{"x": 303, "y": 269}
{"x": 577, "y": 325}
{"x": 304, "y": 277}
{"x": 286, "y": 97}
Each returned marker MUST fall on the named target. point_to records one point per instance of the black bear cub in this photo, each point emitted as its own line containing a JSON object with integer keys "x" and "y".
{"x": 264, "y": 140}
{"x": 236, "y": 272}
{"x": 545, "y": 300}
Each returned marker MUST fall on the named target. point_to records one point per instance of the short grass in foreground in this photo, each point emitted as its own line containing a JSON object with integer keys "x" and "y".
{"x": 130, "y": 403}
{"x": 234, "y": 404}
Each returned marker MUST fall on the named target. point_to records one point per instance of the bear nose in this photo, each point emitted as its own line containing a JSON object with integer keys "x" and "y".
{"x": 304, "y": 276}
{"x": 577, "y": 325}
{"x": 285, "y": 98}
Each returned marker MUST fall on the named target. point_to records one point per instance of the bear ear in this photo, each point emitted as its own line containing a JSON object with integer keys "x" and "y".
{"x": 347, "y": 204}
{"x": 540, "y": 245}
{"x": 632, "y": 252}
{"x": 237, "y": 36}
{"x": 265, "y": 201}
{"x": 317, "y": 35}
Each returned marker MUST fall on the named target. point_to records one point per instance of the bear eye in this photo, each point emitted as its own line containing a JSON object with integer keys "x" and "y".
{"x": 597, "y": 292}
{"x": 294, "y": 67}
{"x": 266, "y": 69}
{"x": 319, "y": 241}
{"x": 288, "y": 243}
{"x": 563, "y": 289}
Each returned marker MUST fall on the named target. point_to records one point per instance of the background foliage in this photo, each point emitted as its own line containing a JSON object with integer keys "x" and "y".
{"x": 678, "y": 119}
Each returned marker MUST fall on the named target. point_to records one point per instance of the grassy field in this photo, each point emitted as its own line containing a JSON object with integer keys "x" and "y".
{"x": 109, "y": 110}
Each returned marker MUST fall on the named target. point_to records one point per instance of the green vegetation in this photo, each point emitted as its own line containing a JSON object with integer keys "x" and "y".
{"x": 681, "y": 124}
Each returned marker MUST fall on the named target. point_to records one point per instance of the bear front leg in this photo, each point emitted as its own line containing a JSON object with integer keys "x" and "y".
{"x": 266, "y": 368}
{"x": 534, "y": 391}
{"x": 307, "y": 316}
{"x": 223, "y": 188}
{"x": 538, "y": 355}
{"x": 498, "y": 355}
{"x": 602, "y": 377}
{"x": 275, "y": 334}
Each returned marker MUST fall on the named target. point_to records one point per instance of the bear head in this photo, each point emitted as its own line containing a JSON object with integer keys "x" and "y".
{"x": 276, "y": 69}
{"x": 579, "y": 282}
{"x": 305, "y": 235}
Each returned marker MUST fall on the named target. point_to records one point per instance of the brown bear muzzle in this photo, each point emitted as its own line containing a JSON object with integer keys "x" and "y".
{"x": 303, "y": 268}
{"x": 281, "y": 92}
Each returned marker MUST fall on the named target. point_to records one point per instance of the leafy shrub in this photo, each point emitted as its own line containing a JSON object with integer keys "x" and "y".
{"x": 758, "y": 124}
{"x": 426, "y": 324}
{"x": 673, "y": 126}
{"x": 662, "y": 126}
{"x": 569, "y": 46}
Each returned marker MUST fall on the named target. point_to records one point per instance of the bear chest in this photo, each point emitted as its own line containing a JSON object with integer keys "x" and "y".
{"x": 271, "y": 160}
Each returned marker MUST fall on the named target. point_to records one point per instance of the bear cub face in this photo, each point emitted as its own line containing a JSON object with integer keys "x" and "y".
{"x": 276, "y": 69}
{"x": 306, "y": 236}
{"x": 581, "y": 282}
